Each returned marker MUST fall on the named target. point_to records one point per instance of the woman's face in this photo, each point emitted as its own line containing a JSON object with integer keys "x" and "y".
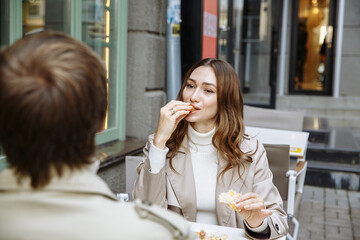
{"x": 200, "y": 91}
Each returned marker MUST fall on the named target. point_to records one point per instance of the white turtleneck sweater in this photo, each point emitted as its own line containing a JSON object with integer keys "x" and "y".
{"x": 204, "y": 160}
{"x": 205, "y": 164}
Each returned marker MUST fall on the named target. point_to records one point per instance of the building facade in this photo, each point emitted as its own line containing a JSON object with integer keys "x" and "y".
{"x": 264, "y": 42}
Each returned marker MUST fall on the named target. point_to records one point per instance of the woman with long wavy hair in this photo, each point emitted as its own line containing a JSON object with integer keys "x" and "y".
{"x": 200, "y": 150}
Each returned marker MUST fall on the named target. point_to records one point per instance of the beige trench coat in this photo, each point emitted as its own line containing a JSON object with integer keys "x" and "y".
{"x": 255, "y": 177}
{"x": 77, "y": 206}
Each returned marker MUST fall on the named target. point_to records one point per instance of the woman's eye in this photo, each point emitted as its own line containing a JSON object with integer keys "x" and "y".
{"x": 189, "y": 86}
{"x": 209, "y": 91}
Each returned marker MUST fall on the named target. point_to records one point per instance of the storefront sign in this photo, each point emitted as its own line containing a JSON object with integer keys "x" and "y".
{"x": 209, "y": 29}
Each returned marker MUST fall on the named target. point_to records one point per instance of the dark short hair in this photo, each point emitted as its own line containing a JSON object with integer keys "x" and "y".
{"x": 53, "y": 100}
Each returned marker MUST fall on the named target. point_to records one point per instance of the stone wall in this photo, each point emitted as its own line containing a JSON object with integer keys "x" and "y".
{"x": 350, "y": 59}
{"x": 146, "y": 66}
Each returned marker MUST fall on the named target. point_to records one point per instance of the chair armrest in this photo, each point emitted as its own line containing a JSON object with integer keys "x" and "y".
{"x": 296, "y": 182}
{"x": 299, "y": 167}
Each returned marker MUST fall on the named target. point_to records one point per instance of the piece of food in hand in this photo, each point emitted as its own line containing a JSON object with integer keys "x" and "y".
{"x": 192, "y": 108}
{"x": 202, "y": 235}
{"x": 229, "y": 198}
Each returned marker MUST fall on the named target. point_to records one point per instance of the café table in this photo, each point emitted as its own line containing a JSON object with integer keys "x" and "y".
{"x": 298, "y": 141}
{"x": 232, "y": 233}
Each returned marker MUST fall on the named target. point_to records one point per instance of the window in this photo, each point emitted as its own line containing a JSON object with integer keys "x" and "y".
{"x": 4, "y": 23}
{"x": 312, "y": 50}
{"x": 100, "y": 29}
{"x": 39, "y": 15}
{"x": 101, "y": 24}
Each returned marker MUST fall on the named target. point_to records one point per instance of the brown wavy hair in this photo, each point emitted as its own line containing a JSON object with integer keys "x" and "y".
{"x": 53, "y": 100}
{"x": 230, "y": 126}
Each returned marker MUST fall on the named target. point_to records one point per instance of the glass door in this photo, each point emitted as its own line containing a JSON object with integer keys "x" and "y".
{"x": 248, "y": 39}
{"x": 312, "y": 47}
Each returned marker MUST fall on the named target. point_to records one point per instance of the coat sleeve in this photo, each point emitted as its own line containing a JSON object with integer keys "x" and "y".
{"x": 149, "y": 186}
{"x": 265, "y": 188}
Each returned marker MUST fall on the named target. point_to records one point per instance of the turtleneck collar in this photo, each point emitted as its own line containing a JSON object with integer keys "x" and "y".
{"x": 200, "y": 138}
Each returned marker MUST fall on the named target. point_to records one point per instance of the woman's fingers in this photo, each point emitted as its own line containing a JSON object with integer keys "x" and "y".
{"x": 250, "y": 201}
{"x": 173, "y": 113}
{"x": 254, "y": 206}
{"x": 249, "y": 204}
{"x": 180, "y": 115}
{"x": 170, "y": 116}
{"x": 266, "y": 212}
{"x": 247, "y": 196}
{"x": 176, "y": 106}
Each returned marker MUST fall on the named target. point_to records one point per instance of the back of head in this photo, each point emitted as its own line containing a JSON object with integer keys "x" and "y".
{"x": 53, "y": 100}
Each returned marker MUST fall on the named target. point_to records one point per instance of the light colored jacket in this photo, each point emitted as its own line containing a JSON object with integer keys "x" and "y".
{"x": 255, "y": 177}
{"x": 79, "y": 205}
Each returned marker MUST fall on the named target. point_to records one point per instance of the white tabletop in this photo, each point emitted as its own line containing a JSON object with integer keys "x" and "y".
{"x": 232, "y": 233}
{"x": 297, "y": 140}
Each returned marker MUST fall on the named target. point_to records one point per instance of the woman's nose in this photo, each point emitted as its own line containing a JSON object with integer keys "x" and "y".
{"x": 195, "y": 96}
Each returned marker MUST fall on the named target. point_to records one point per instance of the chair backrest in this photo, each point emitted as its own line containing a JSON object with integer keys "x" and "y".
{"x": 279, "y": 163}
{"x": 131, "y": 163}
{"x": 272, "y": 118}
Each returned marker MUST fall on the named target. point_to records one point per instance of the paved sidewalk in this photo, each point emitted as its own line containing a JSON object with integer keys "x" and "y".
{"x": 327, "y": 213}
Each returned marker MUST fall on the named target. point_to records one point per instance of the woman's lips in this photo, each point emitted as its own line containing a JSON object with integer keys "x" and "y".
{"x": 194, "y": 108}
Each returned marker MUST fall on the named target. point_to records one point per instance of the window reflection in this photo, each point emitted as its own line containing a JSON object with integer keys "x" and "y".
{"x": 314, "y": 37}
{"x": 4, "y": 23}
{"x": 39, "y": 15}
{"x": 244, "y": 41}
{"x": 255, "y": 50}
{"x": 97, "y": 21}
{"x": 223, "y": 29}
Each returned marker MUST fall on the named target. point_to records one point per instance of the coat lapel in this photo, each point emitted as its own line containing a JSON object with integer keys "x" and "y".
{"x": 229, "y": 180}
{"x": 183, "y": 182}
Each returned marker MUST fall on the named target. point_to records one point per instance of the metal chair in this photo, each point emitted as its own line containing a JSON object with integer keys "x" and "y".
{"x": 285, "y": 179}
{"x": 131, "y": 163}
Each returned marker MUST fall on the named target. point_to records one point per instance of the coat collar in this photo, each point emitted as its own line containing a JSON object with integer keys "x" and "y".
{"x": 81, "y": 181}
{"x": 229, "y": 180}
{"x": 183, "y": 182}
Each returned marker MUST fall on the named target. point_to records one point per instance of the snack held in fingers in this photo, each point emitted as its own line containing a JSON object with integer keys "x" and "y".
{"x": 202, "y": 235}
{"x": 229, "y": 198}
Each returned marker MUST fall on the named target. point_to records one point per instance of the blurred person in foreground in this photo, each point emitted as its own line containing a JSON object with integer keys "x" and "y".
{"x": 200, "y": 150}
{"x": 53, "y": 100}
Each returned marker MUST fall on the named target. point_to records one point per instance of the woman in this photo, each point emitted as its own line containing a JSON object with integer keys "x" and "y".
{"x": 200, "y": 150}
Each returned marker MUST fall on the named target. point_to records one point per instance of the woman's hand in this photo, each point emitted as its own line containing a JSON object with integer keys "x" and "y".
{"x": 170, "y": 116}
{"x": 253, "y": 209}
